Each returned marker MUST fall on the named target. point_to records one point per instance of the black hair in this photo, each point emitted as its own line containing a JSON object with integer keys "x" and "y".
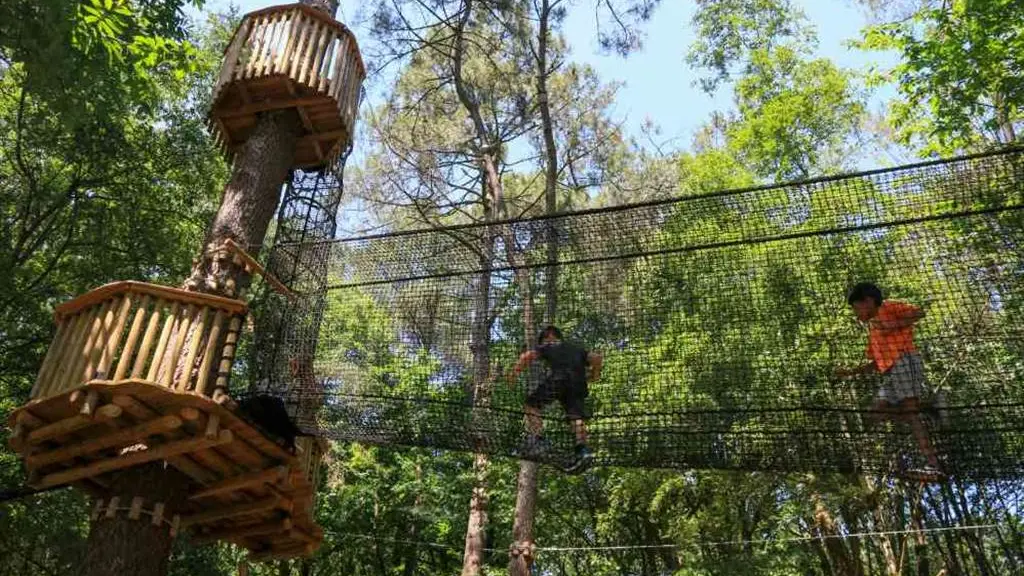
{"x": 552, "y": 330}
{"x": 863, "y": 291}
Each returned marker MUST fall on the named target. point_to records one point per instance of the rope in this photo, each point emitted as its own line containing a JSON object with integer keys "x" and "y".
{"x": 9, "y": 494}
{"x": 722, "y": 543}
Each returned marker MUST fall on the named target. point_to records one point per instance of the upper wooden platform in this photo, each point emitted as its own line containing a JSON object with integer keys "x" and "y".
{"x": 137, "y": 373}
{"x": 290, "y": 56}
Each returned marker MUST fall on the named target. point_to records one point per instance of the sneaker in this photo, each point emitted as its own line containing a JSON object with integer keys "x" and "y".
{"x": 584, "y": 458}
{"x": 533, "y": 446}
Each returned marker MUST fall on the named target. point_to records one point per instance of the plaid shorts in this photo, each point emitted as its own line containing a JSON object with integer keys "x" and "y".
{"x": 904, "y": 380}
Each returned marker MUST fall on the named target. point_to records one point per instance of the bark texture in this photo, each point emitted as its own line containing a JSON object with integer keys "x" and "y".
{"x": 520, "y": 561}
{"x": 123, "y": 547}
{"x": 249, "y": 202}
{"x": 120, "y": 546}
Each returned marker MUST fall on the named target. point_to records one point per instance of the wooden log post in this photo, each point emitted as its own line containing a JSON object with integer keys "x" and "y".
{"x": 120, "y": 545}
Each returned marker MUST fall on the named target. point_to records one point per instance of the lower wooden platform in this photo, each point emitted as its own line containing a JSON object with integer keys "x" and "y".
{"x": 247, "y": 489}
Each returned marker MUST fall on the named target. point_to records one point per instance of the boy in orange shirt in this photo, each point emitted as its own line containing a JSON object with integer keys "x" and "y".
{"x": 892, "y": 354}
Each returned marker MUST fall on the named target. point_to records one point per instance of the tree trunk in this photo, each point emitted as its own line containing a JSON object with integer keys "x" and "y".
{"x": 520, "y": 559}
{"x": 892, "y": 563}
{"x": 831, "y": 538}
{"x": 550, "y": 160}
{"x": 472, "y": 558}
{"x": 476, "y": 526}
{"x": 120, "y": 546}
{"x": 248, "y": 204}
{"x": 521, "y": 554}
{"x": 920, "y": 541}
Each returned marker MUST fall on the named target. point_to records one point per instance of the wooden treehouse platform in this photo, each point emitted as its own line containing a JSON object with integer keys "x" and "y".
{"x": 290, "y": 56}
{"x": 137, "y": 373}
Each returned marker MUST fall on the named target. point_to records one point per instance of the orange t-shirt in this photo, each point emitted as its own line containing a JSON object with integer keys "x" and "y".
{"x": 885, "y": 348}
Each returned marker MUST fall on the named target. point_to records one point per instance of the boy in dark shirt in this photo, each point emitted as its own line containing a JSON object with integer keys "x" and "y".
{"x": 568, "y": 368}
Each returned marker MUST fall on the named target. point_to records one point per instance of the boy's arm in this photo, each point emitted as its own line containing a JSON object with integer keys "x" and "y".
{"x": 906, "y": 315}
{"x": 594, "y": 361}
{"x": 524, "y": 360}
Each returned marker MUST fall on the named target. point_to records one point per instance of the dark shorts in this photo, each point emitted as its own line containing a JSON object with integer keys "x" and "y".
{"x": 570, "y": 395}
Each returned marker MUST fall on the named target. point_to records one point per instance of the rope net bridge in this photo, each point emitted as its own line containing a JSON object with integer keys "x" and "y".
{"x": 721, "y": 319}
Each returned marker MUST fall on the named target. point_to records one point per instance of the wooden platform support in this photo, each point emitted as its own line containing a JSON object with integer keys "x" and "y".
{"x": 122, "y": 438}
{"x": 159, "y": 452}
{"x": 269, "y": 476}
{"x": 248, "y": 490}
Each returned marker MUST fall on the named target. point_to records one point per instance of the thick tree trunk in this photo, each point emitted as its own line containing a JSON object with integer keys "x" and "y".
{"x": 521, "y": 554}
{"x": 249, "y": 202}
{"x": 892, "y": 562}
{"x": 473, "y": 554}
{"x": 834, "y": 546}
{"x": 120, "y": 546}
{"x": 520, "y": 559}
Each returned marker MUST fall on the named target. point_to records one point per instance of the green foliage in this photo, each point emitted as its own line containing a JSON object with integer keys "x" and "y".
{"x": 730, "y": 31}
{"x": 959, "y": 75}
{"x": 97, "y": 59}
{"x": 795, "y": 116}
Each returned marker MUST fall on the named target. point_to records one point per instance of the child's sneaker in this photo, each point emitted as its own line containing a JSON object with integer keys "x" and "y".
{"x": 533, "y": 447}
{"x": 583, "y": 460}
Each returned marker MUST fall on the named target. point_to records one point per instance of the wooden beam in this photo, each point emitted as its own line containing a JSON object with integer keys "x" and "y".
{"x": 290, "y": 551}
{"x": 133, "y": 407}
{"x": 255, "y": 265}
{"x": 319, "y": 150}
{"x": 73, "y": 423}
{"x": 269, "y": 476}
{"x": 125, "y": 437}
{"x": 304, "y": 117}
{"x": 184, "y": 464}
{"x": 189, "y": 468}
{"x": 243, "y": 92}
{"x": 89, "y": 402}
{"x": 134, "y": 459}
{"x": 24, "y": 423}
{"x": 250, "y": 531}
{"x": 269, "y": 105}
{"x": 320, "y": 136}
{"x": 258, "y": 507}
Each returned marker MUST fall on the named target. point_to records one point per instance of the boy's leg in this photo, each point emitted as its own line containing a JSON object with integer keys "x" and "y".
{"x": 906, "y": 380}
{"x": 579, "y": 428}
{"x": 881, "y": 411}
{"x": 911, "y": 408}
{"x": 573, "y": 402}
{"x": 534, "y": 423}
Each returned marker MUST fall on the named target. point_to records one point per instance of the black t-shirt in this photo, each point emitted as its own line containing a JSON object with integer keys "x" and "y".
{"x": 564, "y": 361}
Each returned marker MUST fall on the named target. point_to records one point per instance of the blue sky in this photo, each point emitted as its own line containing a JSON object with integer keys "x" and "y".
{"x": 657, "y": 84}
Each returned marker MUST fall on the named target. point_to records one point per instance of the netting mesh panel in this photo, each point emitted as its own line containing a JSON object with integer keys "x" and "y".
{"x": 721, "y": 319}
{"x": 287, "y": 328}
